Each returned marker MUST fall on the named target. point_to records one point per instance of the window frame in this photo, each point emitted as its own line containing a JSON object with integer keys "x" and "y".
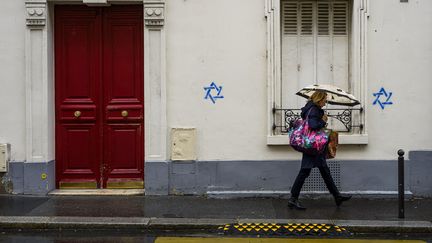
{"x": 357, "y": 70}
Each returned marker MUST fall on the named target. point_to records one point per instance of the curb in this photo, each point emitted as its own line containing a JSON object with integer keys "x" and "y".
{"x": 195, "y": 224}
{"x": 374, "y": 226}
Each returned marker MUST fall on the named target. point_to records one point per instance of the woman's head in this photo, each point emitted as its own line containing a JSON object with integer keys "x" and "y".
{"x": 319, "y": 98}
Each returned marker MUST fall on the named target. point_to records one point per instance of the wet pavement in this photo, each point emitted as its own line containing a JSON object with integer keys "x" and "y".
{"x": 190, "y": 219}
{"x": 201, "y": 207}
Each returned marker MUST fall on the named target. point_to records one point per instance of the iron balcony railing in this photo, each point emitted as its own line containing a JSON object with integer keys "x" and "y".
{"x": 348, "y": 119}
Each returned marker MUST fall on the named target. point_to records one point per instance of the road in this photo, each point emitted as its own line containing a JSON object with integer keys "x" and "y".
{"x": 90, "y": 236}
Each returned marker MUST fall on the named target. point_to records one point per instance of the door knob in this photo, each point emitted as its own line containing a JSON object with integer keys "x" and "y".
{"x": 124, "y": 113}
{"x": 77, "y": 114}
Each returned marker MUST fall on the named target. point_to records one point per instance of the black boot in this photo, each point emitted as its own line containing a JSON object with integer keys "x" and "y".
{"x": 339, "y": 199}
{"x": 294, "y": 203}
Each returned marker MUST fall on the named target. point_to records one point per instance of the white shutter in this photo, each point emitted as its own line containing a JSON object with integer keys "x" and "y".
{"x": 340, "y": 18}
{"x": 315, "y": 46}
{"x": 340, "y": 63}
{"x": 306, "y": 57}
{"x": 290, "y": 52}
{"x": 306, "y": 15}
{"x": 340, "y": 44}
{"x": 324, "y": 44}
{"x": 323, "y": 18}
{"x": 289, "y": 18}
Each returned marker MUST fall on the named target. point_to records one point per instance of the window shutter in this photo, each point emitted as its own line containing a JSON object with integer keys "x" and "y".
{"x": 289, "y": 17}
{"x": 323, "y": 18}
{"x": 340, "y": 24}
{"x": 315, "y": 46}
{"x": 306, "y": 11}
{"x": 291, "y": 29}
{"x": 323, "y": 45}
{"x": 340, "y": 18}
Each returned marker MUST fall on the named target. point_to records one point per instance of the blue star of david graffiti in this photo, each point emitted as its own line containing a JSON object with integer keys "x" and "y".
{"x": 382, "y": 92}
{"x": 213, "y": 92}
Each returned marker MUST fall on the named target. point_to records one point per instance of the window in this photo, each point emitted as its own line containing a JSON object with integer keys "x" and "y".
{"x": 315, "y": 42}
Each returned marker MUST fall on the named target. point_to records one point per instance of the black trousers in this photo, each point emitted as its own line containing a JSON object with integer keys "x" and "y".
{"x": 305, "y": 172}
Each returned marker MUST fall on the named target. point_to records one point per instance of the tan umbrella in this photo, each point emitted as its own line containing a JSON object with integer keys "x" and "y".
{"x": 335, "y": 95}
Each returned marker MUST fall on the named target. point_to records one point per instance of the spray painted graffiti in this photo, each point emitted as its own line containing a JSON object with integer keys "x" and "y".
{"x": 383, "y": 95}
{"x": 213, "y": 92}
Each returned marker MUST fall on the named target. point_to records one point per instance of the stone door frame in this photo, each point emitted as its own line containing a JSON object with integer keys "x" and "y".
{"x": 39, "y": 83}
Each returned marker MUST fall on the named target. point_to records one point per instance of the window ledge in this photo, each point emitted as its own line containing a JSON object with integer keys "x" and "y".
{"x": 343, "y": 139}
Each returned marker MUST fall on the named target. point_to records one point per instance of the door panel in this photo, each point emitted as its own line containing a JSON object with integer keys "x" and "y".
{"x": 99, "y": 95}
{"x": 77, "y": 63}
{"x": 122, "y": 150}
{"x": 123, "y": 96}
{"x": 123, "y": 59}
{"x": 78, "y": 142}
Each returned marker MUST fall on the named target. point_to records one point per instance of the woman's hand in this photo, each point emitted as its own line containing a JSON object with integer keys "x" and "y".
{"x": 325, "y": 118}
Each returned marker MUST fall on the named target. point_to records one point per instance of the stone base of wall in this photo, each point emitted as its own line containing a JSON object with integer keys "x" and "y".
{"x": 420, "y": 173}
{"x": 247, "y": 178}
{"x": 378, "y": 178}
{"x": 34, "y": 178}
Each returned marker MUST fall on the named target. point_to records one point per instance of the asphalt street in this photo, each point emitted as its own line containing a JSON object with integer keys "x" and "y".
{"x": 189, "y": 219}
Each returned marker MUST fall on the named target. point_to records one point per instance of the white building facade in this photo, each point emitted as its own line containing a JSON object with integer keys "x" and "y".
{"x": 218, "y": 83}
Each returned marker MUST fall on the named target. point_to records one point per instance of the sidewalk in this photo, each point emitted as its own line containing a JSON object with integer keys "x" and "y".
{"x": 188, "y": 212}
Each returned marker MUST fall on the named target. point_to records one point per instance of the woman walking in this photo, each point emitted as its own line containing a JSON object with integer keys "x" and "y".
{"x": 317, "y": 120}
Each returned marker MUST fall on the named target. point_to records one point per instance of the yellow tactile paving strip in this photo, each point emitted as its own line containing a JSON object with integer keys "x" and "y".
{"x": 292, "y": 229}
{"x": 273, "y": 240}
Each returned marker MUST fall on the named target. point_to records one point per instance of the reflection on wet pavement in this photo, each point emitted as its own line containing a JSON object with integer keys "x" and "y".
{"x": 273, "y": 240}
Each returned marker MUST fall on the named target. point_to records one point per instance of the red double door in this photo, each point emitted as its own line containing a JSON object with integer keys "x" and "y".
{"x": 99, "y": 96}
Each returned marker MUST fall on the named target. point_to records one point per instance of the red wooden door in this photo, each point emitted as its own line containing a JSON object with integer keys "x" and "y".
{"x": 99, "y": 96}
{"x": 123, "y": 95}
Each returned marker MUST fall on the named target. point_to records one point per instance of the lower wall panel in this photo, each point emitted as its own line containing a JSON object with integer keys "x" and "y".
{"x": 33, "y": 178}
{"x": 246, "y": 178}
{"x": 275, "y": 178}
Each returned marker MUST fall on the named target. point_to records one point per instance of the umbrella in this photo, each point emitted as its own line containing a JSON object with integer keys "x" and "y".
{"x": 335, "y": 95}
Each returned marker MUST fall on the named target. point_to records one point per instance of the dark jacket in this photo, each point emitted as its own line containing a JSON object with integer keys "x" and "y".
{"x": 315, "y": 122}
{"x": 315, "y": 115}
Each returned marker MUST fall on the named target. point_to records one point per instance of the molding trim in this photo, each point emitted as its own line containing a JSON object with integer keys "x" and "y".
{"x": 36, "y": 86}
{"x": 154, "y": 14}
{"x": 272, "y": 14}
{"x": 304, "y": 194}
{"x": 155, "y": 81}
{"x": 36, "y": 13}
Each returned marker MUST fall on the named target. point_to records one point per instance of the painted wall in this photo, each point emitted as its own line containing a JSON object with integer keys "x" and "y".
{"x": 400, "y": 60}
{"x": 12, "y": 77}
{"x": 221, "y": 41}
{"x": 224, "y": 41}
{"x": 218, "y": 41}
{"x": 12, "y": 81}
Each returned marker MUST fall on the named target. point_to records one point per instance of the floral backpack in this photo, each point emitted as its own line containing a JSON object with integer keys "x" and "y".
{"x": 303, "y": 139}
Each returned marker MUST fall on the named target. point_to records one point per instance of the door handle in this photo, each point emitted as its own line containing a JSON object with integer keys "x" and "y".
{"x": 77, "y": 114}
{"x": 124, "y": 113}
